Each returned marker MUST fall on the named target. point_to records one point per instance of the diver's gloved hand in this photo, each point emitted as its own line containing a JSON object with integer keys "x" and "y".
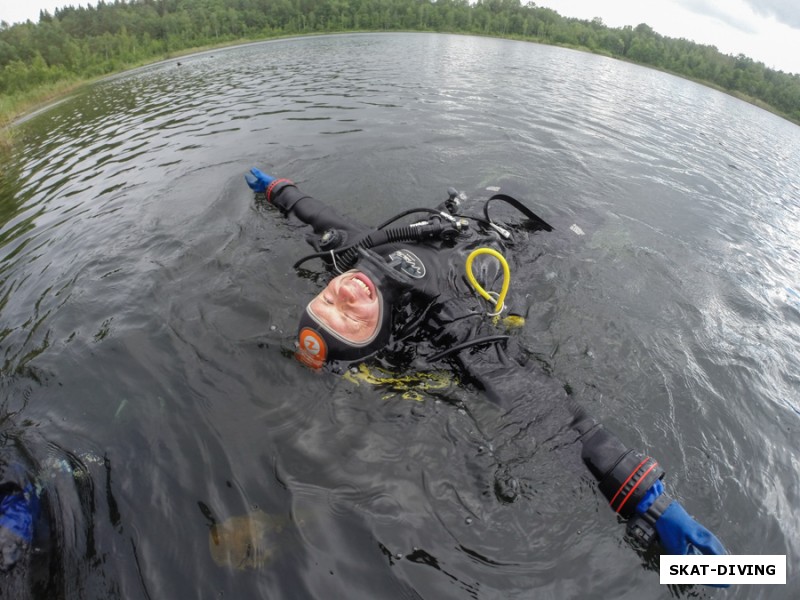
{"x": 677, "y": 531}
{"x": 258, "y": 181}
{"x": 18, "y": 511}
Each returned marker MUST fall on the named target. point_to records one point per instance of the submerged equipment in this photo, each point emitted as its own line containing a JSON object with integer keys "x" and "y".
{"x": 249, "y": 541}
{"x": 409, "y": 386}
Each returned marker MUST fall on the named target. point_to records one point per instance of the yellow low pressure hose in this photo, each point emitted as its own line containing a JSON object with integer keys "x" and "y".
{"x": 496, "y": 299}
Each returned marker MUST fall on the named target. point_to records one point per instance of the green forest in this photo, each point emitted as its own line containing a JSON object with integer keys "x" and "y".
{"x": 78, "y": 44}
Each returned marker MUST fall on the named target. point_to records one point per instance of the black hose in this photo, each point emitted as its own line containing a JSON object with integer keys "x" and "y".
{"x": 468, "y": 344}
{"x": 344, "y": 258}
{"x": 411, "y": 211}
{"x": 536, "y": 219}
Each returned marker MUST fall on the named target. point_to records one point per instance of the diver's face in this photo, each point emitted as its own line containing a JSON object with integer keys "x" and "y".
{"x": 349, "y": 306}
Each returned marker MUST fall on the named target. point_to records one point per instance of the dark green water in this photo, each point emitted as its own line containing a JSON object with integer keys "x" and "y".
{"x": 147, "y": 306}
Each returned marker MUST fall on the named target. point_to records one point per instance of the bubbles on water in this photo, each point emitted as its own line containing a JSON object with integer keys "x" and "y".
{"x": 55, "y": 467}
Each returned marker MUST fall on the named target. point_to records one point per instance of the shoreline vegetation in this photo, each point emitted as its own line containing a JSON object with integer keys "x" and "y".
{"x": 45, "y": 62}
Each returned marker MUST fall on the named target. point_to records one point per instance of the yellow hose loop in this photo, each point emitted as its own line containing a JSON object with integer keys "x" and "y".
{"x": 498, "y": 302}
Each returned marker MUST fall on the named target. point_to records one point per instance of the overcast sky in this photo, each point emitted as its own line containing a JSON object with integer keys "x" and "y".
{"x": 765, "y": 30}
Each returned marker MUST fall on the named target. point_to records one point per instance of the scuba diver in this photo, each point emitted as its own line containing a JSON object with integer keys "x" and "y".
{"x": 413, "y": 286}
{"x": 22, "y": 518}
{"x": 48, "y": 513}
{"x": 19, "y": 509}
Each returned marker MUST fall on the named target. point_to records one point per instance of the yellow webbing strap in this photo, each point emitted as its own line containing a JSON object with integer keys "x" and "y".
{"x": 411, "y": 386}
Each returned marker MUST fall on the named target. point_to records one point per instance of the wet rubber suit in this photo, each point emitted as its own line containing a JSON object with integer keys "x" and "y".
{"x": 454, "y": 322}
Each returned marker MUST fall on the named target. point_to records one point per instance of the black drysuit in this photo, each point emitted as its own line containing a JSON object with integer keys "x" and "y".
{"x": 454, "y": 321}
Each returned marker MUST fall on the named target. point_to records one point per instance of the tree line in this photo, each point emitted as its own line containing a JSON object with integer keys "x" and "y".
{"x": 74, "y": 44}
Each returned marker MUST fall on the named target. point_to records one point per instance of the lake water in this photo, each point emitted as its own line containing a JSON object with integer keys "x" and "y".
{"x": 148, "y": 306}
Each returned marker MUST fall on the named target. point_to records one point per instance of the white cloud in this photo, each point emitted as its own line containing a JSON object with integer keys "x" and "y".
{"x": 19, "y": 11}
{"x": 733, "y": 26}
{"x": 736, "y": 15}
{"x": 784, "y": 11}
